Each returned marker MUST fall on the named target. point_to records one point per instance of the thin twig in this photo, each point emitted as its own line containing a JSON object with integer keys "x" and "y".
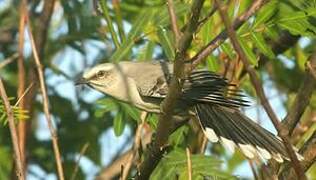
{"x": 207, "y": 17}
{"x": 203, "y": 145}
{"x": 219, "y": 39}
{"x": 82, "y": 152}
{"x": 311, "y": 69}
{"x": 173, "y": 20}
{"x": 253, "y": 169}
{"x": 46, "y": 105}
{"x": 114, "y": 169}
{"x": 8, "y": 60}
{"x": 14, "y": 135}
{"x": 136, "y": 146}
{"x": 21, "y": 76}
{"x": 283, "y": 133}
{"x": 309, "y": 153}
{"x": 189, "y": 163}
{"x": 23, "y": 94}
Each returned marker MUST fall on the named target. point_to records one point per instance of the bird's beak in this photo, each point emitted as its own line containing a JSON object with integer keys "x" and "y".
{"x": 81, "y": 81}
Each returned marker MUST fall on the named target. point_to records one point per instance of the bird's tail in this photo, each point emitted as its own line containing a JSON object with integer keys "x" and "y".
{"x": 233, "y": 129}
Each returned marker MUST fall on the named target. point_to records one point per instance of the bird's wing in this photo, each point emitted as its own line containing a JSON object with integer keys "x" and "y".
{"x": 201, "y": 86}
{"x": 150, "y": 77}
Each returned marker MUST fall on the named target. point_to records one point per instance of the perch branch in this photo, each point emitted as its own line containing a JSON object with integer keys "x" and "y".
{"x": 169, "y": 103}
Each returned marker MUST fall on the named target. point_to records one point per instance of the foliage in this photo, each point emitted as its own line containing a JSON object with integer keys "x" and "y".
{"x": 19, "y": 114}
{"x": 79, "y": 36}
{"x": 175, "y": 165}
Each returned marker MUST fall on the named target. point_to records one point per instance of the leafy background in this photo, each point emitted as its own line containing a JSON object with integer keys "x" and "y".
{"x": 81, "y": 35}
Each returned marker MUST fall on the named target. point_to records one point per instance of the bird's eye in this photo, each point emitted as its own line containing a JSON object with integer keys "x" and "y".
{"x": 101, "y": 74}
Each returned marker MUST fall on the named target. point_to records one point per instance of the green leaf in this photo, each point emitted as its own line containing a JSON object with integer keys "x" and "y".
{"x": 152, "y": 120}
{"x": 109, "y": 22}
{"x": 265, "y": 13}
{"x": 131, "y": 111}
{"x": 119, "y": 123}
{"x": 207, "y": 34}
{"x": 146, "y": 53}
{"x": 108, "y": 104}
{"x": 18, "y": 113}
{"x": 178, "y": 137}
{"x": 142, "y": 20}
{"x": 262, "y": 45}
{"x": 174, "y": 165}
{"x": 162, "y": 17}
{"x": 298, "y": 18}
{"x": 228, "y": 50}
{"x": 212, "y": 63}
{"x": 166, "y": 42}
{"x": 248, "y": 51}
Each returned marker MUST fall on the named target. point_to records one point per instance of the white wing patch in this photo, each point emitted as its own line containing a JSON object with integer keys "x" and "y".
{"x": 263, "y": 153}
{"x": 278, "y": 157}
{"x": 229, "y": 144}
{"x": 211, "y": 135}
{"x": 299, "y": 156}
{"x": 248, "y": 150}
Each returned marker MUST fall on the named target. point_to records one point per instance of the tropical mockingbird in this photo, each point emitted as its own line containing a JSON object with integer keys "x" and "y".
{"x": 208, "y": 95}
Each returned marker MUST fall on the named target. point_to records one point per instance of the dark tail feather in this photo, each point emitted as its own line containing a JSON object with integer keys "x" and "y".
{"x": 233, "y": 129}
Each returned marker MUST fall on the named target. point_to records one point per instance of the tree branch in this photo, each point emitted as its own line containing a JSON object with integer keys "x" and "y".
{"x": 22, "y": 83}
{"x": 260, "y": 92}
{"x": 8, "y": 60}
{"x": 309, "y": 153}
{"x": 219, "y": 39}
{"x": 303, "y": 96}
{"x": 173, "y": 20}
{"x": 114, "y": 169}
{"x": 52, "y": 130}
{"x": 136, "y": 146}
{"x": 13, "y": 132}
{"x": 169, "y": 103}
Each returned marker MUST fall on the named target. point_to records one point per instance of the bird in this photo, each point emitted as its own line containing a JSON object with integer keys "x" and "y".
{"x": 208, "y": 96}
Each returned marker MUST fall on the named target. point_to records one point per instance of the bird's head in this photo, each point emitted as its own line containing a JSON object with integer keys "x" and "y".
{"x": 100, "y": 77}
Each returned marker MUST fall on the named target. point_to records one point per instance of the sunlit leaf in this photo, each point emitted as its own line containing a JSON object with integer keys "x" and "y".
{"x": 265, "y": 13}
{"x": 205, "y": 166}
{"x": 249, "y": 53}
{"x": 119, "y": 123}
{"x": 143, "y": 19}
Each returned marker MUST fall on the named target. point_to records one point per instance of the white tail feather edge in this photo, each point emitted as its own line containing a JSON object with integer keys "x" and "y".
{"x": 248, "y": 150}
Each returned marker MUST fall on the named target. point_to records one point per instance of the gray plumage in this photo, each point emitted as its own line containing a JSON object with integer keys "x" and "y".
{"x": 214, "y": 101}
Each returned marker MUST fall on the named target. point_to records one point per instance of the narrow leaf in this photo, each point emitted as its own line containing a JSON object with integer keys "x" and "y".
{"x": 248, "y": 51}
{"x": 143, "y": 19}
{"x": 166, "y": 42}
{"x": 265, "y": 13}
{"x": 262, "y": 45}
{"x": 119, "y": 124}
